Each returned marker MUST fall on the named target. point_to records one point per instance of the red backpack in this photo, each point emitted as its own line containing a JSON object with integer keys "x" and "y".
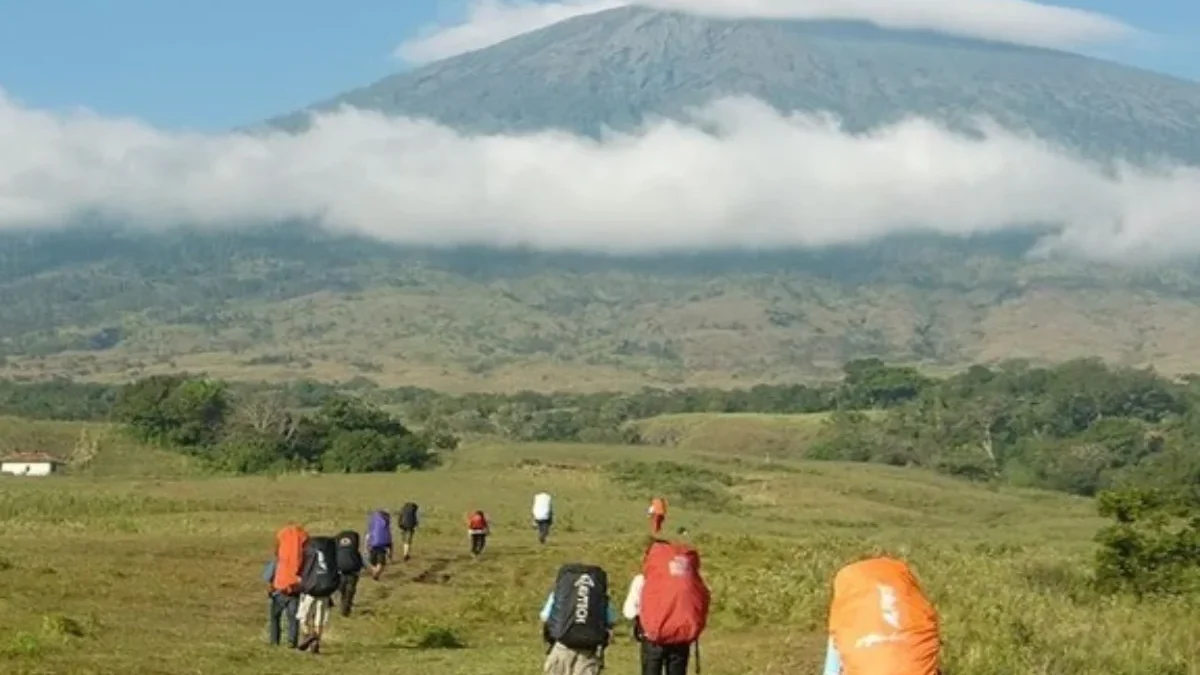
{"x": 477, "y": 521}
{"x": 675, "y": 598}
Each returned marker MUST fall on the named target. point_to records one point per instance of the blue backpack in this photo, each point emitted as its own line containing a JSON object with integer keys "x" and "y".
{"x": 379, "y": 529}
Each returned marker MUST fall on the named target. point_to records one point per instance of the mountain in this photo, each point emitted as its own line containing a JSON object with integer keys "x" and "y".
{"x": 617, "y": 67}
{"x": 284, "y": 302}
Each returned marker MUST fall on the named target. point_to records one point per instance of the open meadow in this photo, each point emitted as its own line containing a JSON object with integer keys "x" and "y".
{"x": 136, "y": 562}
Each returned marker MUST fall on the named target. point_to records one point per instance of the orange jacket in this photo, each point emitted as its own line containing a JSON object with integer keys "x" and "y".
{"x": 880, "y": 621}
{"x": 658, "y": 506}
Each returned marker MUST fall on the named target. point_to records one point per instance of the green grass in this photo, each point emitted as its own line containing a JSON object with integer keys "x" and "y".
{"x": 105, "y": 573}
{"x": 749, "y": 435}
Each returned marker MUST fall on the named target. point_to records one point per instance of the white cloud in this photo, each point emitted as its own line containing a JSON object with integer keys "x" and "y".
{"x": 488, "y": 22}
{"x": 759, "y": 179}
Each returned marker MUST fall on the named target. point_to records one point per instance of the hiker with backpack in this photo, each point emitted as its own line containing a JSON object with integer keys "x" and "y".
{"x": 880, "y": 622}
{"x": 407, "y": 524}
{"x": 319, "y": 580}
{"x": 671, "y": 607}
{"x": 478, "y": 531}
{"x": 657, "y": 514}
{"x": 577, "y": 621}
{"x": 379, "y": 542}
{"x": 543, "y": 515}
{"x": 283, "y": 575}
{"x": 350, "y": 565}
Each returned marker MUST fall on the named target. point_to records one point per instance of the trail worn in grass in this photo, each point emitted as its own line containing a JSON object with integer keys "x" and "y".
{"x": 146, "y": 575}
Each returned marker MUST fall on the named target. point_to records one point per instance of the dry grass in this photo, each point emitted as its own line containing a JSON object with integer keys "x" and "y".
{"x": 111, "y": 574}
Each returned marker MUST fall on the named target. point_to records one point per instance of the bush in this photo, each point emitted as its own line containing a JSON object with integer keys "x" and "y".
{"x": 1153, "y": 547}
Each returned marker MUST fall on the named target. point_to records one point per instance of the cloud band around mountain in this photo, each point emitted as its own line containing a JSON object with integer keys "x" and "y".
{"x": 489, "y": 22}
{"x": 738, "y": 175}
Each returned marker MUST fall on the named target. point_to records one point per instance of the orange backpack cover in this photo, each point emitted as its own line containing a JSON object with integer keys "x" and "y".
{"x": 477, "y": 521}
{"x": 289, "y": 557}
{"x": 658, "y": 506}
{"x": 881, "y": 622}
{"x": 675, "y": 599}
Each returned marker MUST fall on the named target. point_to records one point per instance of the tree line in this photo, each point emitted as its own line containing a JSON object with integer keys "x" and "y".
{"x": 1080, "y": 426}
{"x": 255, "y": 432}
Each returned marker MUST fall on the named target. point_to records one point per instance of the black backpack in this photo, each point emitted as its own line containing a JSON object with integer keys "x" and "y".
{"x": 408, "y": 516}
{"x": 579, "y": 615}
{"x": 319, "y": 577}
{"x": 349, "y": 558}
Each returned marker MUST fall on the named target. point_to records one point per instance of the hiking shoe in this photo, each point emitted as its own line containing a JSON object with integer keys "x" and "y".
{"x": 306, "y": 643}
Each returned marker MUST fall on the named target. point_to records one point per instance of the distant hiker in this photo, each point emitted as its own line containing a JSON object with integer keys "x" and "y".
{"x": 478, "y": 530}
{"x": 543, "y": 515}
{"x": 319, "y": 580}
{"x": 379, "y": 541}
{"x": 283, "y": 573}
{"x": 672, "y": 608}
{"x": 880, "y": 622}
{"x": 350, "y": 565}
{"x": 407, "y": 523}
{"x": 658, "y": 514}
{"x": 577, "y": 621}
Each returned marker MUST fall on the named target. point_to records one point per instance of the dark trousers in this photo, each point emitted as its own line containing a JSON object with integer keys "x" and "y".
{"x": 478, "y": 541}
{"x": 543, "y": 530}
{"x": 283, "y": 607}
{"x": 346, "y": 590}
{"x": 665, "y": 659}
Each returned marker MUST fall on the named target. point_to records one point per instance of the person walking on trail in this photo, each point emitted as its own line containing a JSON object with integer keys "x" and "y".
{"x": 658, "y": 514}
{"x": 671, "y": 608}
{"x": 577, "y": 621}
{"x": 379, "y": 542}
{"x": 319, "y": 580}
{"x": 543, "y": 515}
{"x": 283, "y": 575}
{"x": 407, "y": 524}
{"x": 880, "y": 622}
{"x": 350, "y": 565}
{"x": 478, "y": 530}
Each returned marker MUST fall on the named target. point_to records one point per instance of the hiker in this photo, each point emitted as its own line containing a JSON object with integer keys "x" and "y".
{"x": 406, "y": 522}
{"x": 379, "y": 542}
{"x": 671, "y": 608}
{"x": 880, "y": 622}
{"x": 577, "y": 621}
{"x": 283, "y": 574}
{"x": 319, "y": 580}
{"x": 350, "y": 565}
{"x": 543, "y": 515}
{"x": 658, "y": 514}
{"x": 478, "y": 530}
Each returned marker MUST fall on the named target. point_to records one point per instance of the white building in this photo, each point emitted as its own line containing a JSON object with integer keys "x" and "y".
{"x": 29, "y": 464}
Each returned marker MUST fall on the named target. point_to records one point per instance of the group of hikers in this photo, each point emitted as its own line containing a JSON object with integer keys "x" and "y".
{"x": 880, "y": 621}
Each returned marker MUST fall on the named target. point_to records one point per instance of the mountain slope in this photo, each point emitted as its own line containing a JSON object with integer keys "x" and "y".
{"x": 276, "y": 305}
{"x": 617, "y": 67}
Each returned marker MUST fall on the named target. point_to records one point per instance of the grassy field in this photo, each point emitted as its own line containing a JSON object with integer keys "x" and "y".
{"x": 137, "y": 563}
{"x": 752, "y": 435}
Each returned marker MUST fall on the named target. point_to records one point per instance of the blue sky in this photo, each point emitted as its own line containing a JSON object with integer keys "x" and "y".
{"x": 212, "y": 64}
